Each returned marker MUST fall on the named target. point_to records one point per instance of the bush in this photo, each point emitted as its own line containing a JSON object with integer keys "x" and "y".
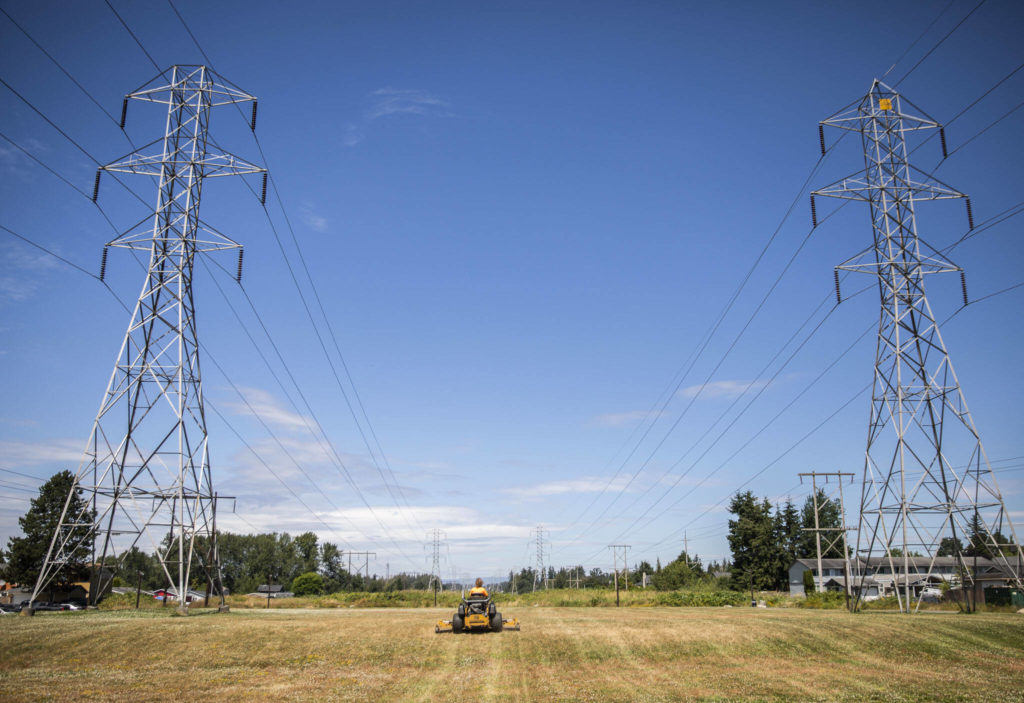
{"x": 823, "y": 600}
{"x": 308, "y": 584}
{"x": 702, "y": 599}
{"x": 809, "y": 586}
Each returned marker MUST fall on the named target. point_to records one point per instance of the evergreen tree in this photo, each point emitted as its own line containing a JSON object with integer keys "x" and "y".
{"x": 984, "y": 544}
{"x": 25, "y": 554}
{"x": 756, "y": 553}
{"x": 828, "y": 517}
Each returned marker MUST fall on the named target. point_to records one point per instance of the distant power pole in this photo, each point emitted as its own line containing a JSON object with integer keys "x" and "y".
{"x": 541, "y": 573}
{"x": 365, "y": 569}
{"x": 145, "y": 470}
{"x": 926, "y": 474}
{"x": 625, "y": 566}
{"x": 839, "y": 532}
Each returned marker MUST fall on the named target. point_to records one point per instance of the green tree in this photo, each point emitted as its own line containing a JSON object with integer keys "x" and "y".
{"x": 306, "y": 553}
{"x": 25, "y": 554}
{"x": 683, "y": 571}
{"x": 753, "y": 540}
{"x": 828, "y": 517}
{"x": 308, "y": 584}
{"x": 809, "y": 585}
{"x": 950, "y": 547}
{"x": 136, "y": 561}
{"x": 644, "y": 567}
{"x": 983, "y": 543}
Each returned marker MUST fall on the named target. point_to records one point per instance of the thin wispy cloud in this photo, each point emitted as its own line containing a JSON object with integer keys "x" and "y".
{"x": 312, "y": 219}
{"x": 20, "y": 280}
{"x": 17, "y": 453}
{"x": 352, "y": 135}
{"x": 722, "y": 389}
{"x": 555, "y": 488}
{"x": 259, "y": 403}
{"x": 623, "y": 419}
{"x": 391, "y": 101}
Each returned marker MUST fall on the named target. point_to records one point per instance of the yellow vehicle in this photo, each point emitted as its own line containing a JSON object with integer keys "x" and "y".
{"x": 477, "y": 613}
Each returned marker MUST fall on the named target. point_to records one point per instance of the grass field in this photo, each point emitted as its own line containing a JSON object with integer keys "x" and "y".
{"x": 561, "y": 654}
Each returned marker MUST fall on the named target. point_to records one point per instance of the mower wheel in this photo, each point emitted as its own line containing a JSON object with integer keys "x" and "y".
{"x": 457, "y": 623}
{"x": 496, "y": 622}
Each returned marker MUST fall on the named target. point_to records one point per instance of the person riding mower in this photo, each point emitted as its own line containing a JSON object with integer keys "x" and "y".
{"x": 477, "y": 612}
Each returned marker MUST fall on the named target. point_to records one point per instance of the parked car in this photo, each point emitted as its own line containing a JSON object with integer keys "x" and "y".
{"x": 46, "y": 606}
{"x": 931, "y": 594}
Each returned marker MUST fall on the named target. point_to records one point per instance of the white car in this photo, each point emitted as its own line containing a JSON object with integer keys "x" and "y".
{"x": 931, "y": 594}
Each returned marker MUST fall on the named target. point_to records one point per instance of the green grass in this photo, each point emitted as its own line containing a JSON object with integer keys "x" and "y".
{"x": 599, "y": 654}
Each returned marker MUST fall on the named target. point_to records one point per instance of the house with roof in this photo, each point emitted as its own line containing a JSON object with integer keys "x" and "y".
{"x": 881, "y": 576}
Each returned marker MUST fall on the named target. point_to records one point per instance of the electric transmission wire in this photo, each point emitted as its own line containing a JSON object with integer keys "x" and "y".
{"x": 694, "y": 357}
{"x": 63, "y": 70}
{"x": 209, "y": 404}
{"x": 66, "y": 261}
{"x": 323, "y": 313}
{"x": 319, "y": 434}
{"x": 777, "y": 459}
{"x": 301, "y": 295}
{"x": 919, "y": 62}
{"x": 69, "y": 138}
{"x": 986, "y": 225}
{"x": 70, "y": 263}
{"x": 919, "y": 37}
{"x": 130, "y": 32}
{"x": 990, "y": 126}
{"x": 938, "y": 44}
{"x": 711, "y": 374}
{"x": 996, "y": 219}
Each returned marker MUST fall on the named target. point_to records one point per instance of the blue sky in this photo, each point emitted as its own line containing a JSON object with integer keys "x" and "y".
{"x": 521, "y": 223}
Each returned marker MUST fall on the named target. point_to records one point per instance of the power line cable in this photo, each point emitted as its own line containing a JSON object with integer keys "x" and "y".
{"x": 779, "y": 458}
{"x": 990, "y": 223}
{"x": 919, "y": 37}
{"x": 63, "y": 70}
{"x": 990, "y": 126}
{"x": 69, "y": 138}
{"x": 920, "y": 61}
{"x": 717, "y": 366}
{"x": 939, "y": 43}
{"x": 323, "y": 312}
{"x": 129, "y": 30}
{"x": 702, "y": 346}
{"x": 288, "y": 265}
{"x": 320, "y": 436}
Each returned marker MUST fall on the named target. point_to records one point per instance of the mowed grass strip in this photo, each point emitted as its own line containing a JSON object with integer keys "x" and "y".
{"x": 562, "y": 654}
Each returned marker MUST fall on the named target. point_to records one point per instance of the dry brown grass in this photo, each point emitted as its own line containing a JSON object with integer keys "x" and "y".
{"x": 570, "y": 654}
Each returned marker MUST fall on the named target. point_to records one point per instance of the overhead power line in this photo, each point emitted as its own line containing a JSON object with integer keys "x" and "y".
{"x": 938, "y": 44}
{"x": 323, "y": 313}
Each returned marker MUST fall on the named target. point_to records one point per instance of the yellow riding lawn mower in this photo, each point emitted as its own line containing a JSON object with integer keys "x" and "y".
{"x": 476, "y": 614}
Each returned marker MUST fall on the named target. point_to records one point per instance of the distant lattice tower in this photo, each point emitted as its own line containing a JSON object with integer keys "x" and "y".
{"x": 436, "y": 583}
{"x": 926, "y": 474}
{"x": 145, "y": 470}
{"x": 541, "y": 571}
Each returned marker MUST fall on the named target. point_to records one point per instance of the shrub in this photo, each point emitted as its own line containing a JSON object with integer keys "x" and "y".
{"x": 823, "y": 600}
{"x": 308, "y": 584}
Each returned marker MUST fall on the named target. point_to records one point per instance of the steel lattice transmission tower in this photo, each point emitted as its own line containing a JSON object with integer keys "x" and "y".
{"x": 145, "y": 470}
{"x": 436, "y": 537}
{"x": 926, "y": 474}
{"x": 541, "y": 572}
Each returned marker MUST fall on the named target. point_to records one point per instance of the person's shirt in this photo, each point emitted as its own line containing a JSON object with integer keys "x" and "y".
{"x": 478, "y": 591}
